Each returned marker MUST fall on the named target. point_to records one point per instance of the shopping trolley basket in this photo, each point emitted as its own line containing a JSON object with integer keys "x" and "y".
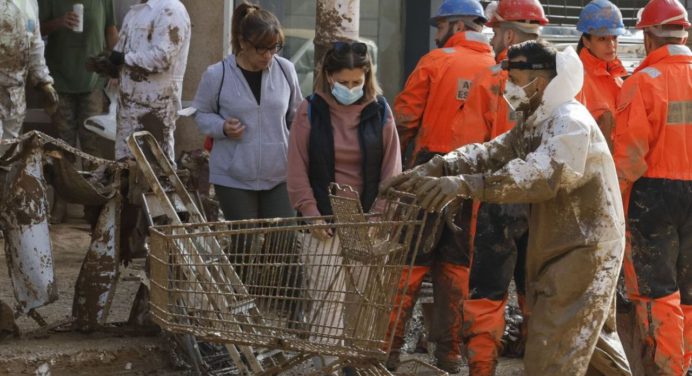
{"x": 271, "y": 283}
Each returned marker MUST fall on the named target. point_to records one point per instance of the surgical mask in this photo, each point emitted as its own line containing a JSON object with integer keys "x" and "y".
{"x": 516, "y": 96}
{"x": 345, "y": 95}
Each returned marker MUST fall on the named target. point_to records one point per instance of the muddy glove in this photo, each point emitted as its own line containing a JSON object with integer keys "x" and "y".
{"x": 51, "y": 98}
{"x": 435, "y": 193}
{"x": 405, "y": 181}
{"x": 106, "y": 63}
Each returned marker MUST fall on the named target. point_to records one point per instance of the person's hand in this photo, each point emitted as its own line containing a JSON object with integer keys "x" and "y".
{"x": 233, "y": 128}
{"x": 404, "y": 181}
{"x": 106, "y": 63}
{"x": 51, "y": 98}
{"x": 322, "y": 233}
{"x": 70, "y": 20}
{"x": 435, "y": 193}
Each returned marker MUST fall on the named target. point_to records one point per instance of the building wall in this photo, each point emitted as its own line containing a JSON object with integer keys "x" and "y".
{"x": 206, "y": 48}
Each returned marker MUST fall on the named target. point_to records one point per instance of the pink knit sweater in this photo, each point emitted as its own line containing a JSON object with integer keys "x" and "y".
{"x": 347, "y": 154}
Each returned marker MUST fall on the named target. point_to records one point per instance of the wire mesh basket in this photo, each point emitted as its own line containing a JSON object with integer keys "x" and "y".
{"x": 272, "y": 284}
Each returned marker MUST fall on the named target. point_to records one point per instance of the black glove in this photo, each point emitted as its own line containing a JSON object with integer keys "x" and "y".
{"x": 106, "y": 63}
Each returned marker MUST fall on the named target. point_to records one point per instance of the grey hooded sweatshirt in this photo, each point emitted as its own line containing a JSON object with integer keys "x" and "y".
{"x": 257, "y": 161}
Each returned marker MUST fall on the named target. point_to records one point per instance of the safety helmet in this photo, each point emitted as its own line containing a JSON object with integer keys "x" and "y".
{"x": 601, "y": 18}
{"x": 515, "y": 11}
{"x": 662, "y": 12}
{"x": 459, "y": 8}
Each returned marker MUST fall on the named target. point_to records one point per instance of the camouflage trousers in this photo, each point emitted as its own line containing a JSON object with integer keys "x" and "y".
{"x": 9, "y": 129}
{"x": 69, "y": 119}
{"x": 157, "y": 118}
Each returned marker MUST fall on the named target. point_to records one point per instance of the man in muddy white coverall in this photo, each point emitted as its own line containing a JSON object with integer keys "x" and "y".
{"x": 21, "y": 57}
{"x": 558, "y": 162}
{"x": 150, "y": 60}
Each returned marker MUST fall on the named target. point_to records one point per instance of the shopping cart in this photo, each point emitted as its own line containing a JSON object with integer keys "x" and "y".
{"x": 272, "y": 284}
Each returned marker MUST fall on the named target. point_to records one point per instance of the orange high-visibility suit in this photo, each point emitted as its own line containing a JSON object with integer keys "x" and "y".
{"x": 653, "y": 155}
{"x": 602, "y": 84}
{"x": 435, "y": 90}
{"x": 500, "y": 233}
{"x": 424, "y": 113}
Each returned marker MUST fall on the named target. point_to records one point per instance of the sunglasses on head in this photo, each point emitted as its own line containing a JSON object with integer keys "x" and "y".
{"x": 358, "y": 48}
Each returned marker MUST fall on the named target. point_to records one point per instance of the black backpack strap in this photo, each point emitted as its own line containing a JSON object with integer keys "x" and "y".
{"x": 218, "y": 95}
{"x": 290, "y": 97}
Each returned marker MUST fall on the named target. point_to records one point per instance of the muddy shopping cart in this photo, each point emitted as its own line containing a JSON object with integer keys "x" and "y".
{"x": 272, "y": 287}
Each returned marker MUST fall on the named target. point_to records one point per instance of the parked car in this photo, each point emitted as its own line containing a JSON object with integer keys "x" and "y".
{"x": 299, "y": 47}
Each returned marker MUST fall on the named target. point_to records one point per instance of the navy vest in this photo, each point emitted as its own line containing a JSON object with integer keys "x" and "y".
{"x": 321, "y": 150}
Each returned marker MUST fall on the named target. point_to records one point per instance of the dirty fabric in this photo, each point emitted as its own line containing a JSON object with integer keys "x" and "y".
{"x": 73, "y": 110}
{"x": 559, "y": 162}
{"x": 653, "y": 155}
{"x": 499, "y": 253}
{"x": 21, "y": 57}
{"x": 659, "y": 269}
{"x": 155, "y": 39}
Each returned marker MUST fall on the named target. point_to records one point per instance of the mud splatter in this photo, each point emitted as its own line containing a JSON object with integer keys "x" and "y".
{"x": 174, "y": 35}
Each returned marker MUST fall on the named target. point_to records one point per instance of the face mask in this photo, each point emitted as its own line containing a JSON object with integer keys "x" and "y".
{"x": 516, "y": 96}
{"x": 345, "y": 95}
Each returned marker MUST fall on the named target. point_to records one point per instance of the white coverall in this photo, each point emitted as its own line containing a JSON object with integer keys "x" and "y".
{"x": 558, "y": 161}
{"x": 155, "y": 39}
{"x": 21, "y": 56}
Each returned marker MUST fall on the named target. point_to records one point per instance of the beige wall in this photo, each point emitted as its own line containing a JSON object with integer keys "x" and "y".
{"x": 206, "y": 48}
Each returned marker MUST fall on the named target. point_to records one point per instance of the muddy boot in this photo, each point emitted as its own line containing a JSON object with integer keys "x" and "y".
{"x": 482, "y": 368}
{"x": 451, "y": 366}
{"x": 393, "y": 360}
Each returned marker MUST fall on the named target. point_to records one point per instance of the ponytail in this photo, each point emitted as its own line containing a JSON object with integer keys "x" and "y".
{"x": 255, "y": 25}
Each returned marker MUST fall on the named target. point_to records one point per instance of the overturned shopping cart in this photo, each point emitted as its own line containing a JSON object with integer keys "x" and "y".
{"x": 272, "y": 284}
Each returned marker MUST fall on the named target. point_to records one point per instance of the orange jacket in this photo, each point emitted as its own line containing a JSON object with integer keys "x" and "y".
{"x": 653, "y": 132}
{"x": 486, "y": 114}
{"x": 602, "y": 84}
{"x": 436, "y": 89}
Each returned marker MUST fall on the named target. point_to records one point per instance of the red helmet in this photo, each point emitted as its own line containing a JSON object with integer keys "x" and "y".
{"x": 662, "y": 12}
{"x": 515, "y": 11}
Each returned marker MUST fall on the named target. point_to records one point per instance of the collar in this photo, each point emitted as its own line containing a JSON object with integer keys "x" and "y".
{"x": 669, "y": 52}
{"x": 501, "y": 56}
{"x": 469, "y": 39}
{"x": 600, "y": 67}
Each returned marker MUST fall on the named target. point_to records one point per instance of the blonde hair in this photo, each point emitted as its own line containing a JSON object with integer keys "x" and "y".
{"x": 334, "y": 61}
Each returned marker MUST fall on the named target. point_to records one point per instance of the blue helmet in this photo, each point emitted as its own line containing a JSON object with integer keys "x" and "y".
{"x": 458, "y": 8}
{"x": 601, "y": 18}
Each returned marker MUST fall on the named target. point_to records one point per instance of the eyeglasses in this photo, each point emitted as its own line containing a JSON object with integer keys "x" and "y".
{"x": 273, "y": 49}
{"x": 358, "y": 48}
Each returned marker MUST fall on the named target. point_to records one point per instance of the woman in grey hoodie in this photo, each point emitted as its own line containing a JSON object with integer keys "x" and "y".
{"x": 246, "y": 103}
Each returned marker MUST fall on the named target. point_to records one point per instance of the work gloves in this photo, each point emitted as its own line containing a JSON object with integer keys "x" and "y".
{"x": 404, "y": 181}
{"x": 51, "y": 98}
{"x": 433, "y": 190}
{"x": 106, "y": 63}
{"x": 435, "y": 193}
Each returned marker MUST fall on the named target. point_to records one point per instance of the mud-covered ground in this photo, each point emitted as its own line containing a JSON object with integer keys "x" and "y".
{"x": 115, "y": 351}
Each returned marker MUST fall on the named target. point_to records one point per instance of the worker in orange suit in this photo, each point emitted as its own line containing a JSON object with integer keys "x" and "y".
{"x": 601, "y": 23}
{"x": 424, "y": 110}
{"x": 501, "y": 232}
{"x": 653, "y": 155}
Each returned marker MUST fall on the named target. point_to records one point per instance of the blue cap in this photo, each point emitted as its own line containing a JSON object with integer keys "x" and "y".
{"x": 458, "y": 8}
{"x": 601, "y": 18}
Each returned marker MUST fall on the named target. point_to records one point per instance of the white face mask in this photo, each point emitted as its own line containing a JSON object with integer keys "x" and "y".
{"x": 515, "y": 94}
{"x": 345, "y": 95}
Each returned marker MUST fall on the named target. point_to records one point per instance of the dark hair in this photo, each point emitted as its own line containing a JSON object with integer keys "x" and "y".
{"x": 255, "y": 25}
{"x": 336, "y": 59}
{"x": 580, "y": 45}
{"x": 535, "y": 52}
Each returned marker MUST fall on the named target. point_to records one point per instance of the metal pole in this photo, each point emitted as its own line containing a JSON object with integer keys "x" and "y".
{"x": 336, "y": 20}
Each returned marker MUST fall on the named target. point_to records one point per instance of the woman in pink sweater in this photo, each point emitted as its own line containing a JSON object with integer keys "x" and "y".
{"x": 343, "y": 133}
